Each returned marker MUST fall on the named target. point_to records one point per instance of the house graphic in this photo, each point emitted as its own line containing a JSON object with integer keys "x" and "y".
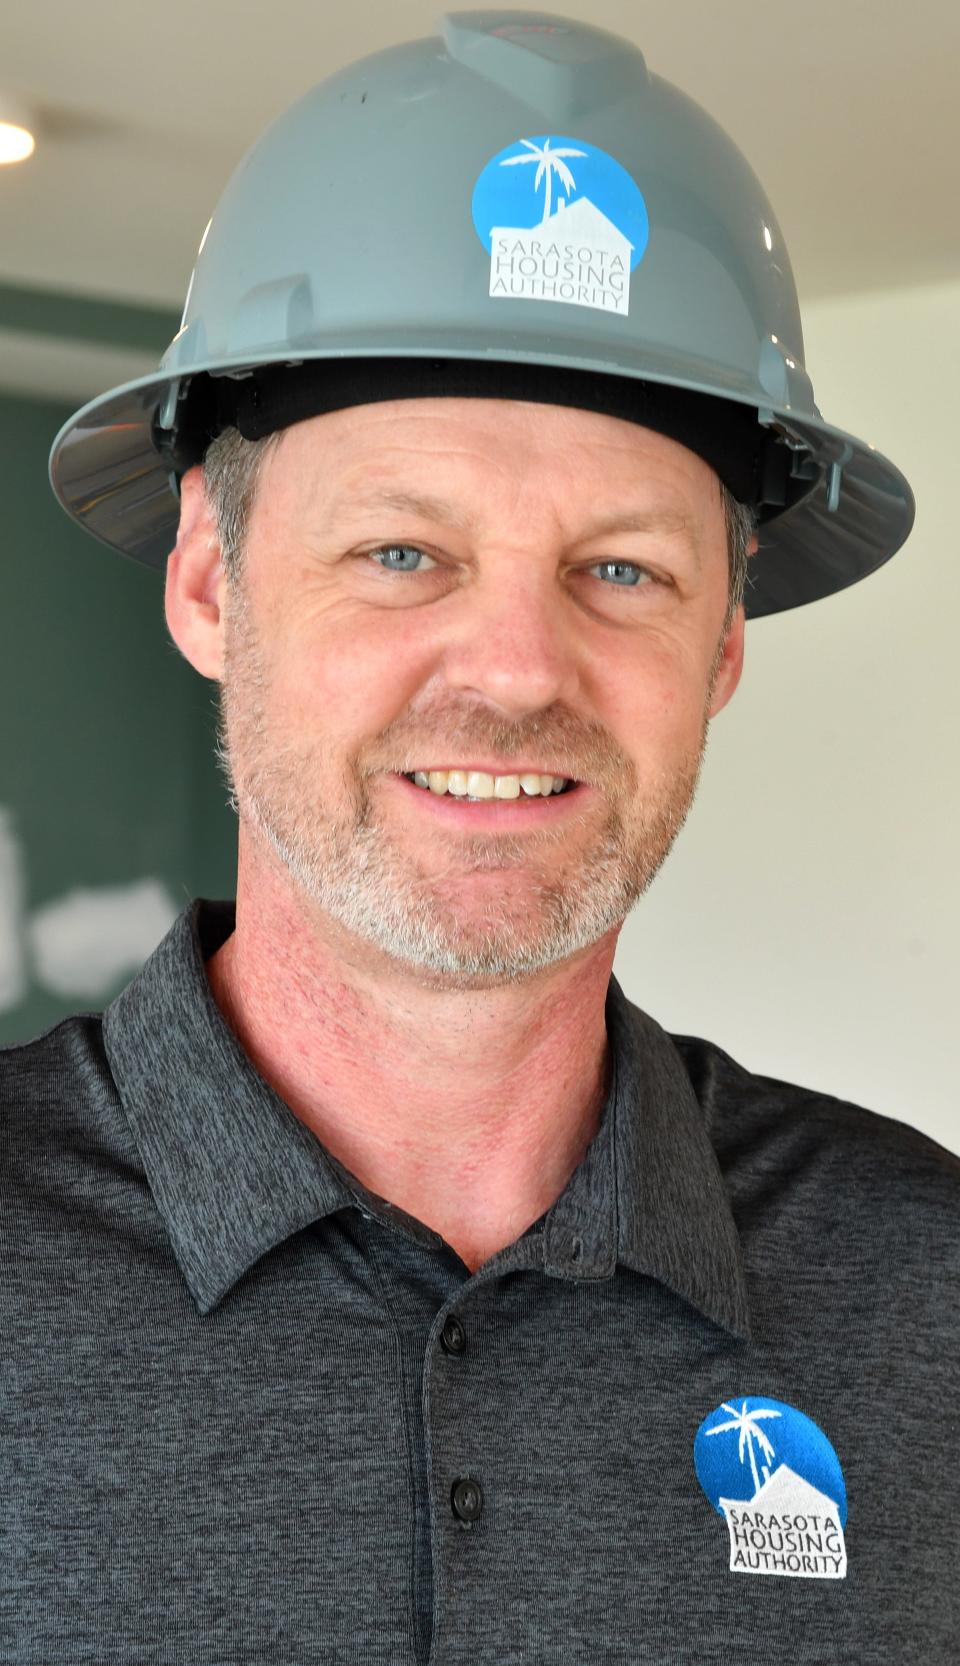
{"x": 576, "y": 255}
{"x": 788, "y": 1527}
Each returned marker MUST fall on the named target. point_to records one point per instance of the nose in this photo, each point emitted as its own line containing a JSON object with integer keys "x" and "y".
{"x": 514, "y": 641}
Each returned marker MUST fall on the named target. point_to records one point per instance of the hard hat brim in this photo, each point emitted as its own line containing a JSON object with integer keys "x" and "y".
{"x": 108, "y": 474}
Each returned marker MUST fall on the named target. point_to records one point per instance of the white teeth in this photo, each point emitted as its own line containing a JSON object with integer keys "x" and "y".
{"x": 477, "y": 784}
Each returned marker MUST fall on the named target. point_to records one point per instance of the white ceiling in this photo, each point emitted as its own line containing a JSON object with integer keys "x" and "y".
{"x": 847, "y": 109}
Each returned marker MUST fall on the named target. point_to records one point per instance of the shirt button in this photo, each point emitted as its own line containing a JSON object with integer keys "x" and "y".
{"x": 453, "y": 1337}
{"x": 466, "y": 1498}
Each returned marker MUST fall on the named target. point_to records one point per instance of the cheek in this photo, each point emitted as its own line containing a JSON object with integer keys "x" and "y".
{"x": 347, "y": 671}
{"x": 655, "y": 703}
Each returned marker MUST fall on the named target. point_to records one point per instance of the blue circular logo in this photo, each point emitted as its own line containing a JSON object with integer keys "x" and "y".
{"x": 740, "y": 1447}
{"x": 535, "y": 182}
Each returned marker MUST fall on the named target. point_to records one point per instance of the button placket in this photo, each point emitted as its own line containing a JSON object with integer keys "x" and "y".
{"x": 466, "y": 1493}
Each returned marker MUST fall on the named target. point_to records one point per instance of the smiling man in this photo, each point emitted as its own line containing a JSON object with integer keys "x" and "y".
{"x": 383, "y": 1285}
{"x": 464, "y": 716}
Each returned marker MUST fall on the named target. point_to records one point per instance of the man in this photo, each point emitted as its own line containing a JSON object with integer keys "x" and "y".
{"x": 388, "y": 1287}
{"x": 472, "y": 935}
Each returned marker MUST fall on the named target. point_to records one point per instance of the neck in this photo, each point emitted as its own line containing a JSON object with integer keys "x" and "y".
{"x": 468, "y": 1108}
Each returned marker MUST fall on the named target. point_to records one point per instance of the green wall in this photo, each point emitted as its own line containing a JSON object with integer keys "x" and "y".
{"x": 107, "y": 774}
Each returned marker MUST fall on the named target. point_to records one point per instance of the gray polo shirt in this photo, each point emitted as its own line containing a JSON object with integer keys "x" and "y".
{"x": 704, "y": 1410}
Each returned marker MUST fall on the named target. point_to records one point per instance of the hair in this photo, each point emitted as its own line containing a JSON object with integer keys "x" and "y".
{"x": 231, "y": 473}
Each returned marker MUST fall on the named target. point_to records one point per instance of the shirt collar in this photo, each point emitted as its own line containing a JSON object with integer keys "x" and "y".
{"x": 234, "y": 1172}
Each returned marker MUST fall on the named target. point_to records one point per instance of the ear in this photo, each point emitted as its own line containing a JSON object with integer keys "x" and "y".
{"x": 729, "y": 664}
{"x": 196, "y": 582}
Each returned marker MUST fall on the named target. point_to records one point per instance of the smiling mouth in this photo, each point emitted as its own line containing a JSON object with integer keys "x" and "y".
{"x": 480, "y": 788}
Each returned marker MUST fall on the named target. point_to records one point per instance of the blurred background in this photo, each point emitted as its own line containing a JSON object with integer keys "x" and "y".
{"x": 809, "y": 916}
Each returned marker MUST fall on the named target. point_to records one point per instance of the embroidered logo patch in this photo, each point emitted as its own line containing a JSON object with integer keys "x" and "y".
{"x": 561, "y": 221}
{"x": 773, "y": 1476}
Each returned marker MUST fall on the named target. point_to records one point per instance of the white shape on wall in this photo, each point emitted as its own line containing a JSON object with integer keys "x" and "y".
{"x": 79, "y": 945}
{"x": 84, "y": 942}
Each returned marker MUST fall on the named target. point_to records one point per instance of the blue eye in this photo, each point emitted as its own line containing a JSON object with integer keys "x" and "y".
{"x": 401, "y": 551}
{"x": 407, "y": 558}
{"x": 633, "y": 574}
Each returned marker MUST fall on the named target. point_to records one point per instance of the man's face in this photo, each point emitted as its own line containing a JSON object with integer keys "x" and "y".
{"x": 458, "y": 583}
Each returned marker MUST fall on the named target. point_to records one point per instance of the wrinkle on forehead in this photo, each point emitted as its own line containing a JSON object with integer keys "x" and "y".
{"x": 447, "y": 460}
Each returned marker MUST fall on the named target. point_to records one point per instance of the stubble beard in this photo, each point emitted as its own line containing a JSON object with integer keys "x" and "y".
{"x": 345, "y": 862}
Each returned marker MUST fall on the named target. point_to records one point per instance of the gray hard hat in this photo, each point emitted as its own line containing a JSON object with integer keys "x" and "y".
{"x": 518, "y": 209}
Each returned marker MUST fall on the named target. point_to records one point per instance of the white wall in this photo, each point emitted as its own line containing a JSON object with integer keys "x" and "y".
{"x": 808, "y": 919}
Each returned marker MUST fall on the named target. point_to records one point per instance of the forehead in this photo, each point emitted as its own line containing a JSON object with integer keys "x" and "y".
{"x": 482, "y": 453}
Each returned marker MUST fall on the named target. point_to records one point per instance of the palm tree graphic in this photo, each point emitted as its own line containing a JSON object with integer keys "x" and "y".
{"x": 550, "y": 162}
{"x": 747, "y": 1424}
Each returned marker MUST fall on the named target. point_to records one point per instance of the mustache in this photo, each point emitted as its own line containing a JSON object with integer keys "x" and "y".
{"x": 583, "y": 752}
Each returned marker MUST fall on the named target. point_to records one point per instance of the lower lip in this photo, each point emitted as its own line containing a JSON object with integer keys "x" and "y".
{"x": 499, "y": 815}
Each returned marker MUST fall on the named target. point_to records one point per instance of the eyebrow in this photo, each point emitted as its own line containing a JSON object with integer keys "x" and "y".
{"x": 409, "y": 503}
{"x": 437, "y": 509}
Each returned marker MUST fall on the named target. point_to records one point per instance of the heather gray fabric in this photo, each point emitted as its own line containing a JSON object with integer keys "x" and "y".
{"x": 241, "y": 1395}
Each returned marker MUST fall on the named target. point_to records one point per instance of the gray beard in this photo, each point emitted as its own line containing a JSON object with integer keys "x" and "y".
{"x": 342, "y": 859}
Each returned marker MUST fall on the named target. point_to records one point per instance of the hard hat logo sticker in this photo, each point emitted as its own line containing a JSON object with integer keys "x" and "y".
{"x": 561, "y": 221}
{"x": 776, "y": 1480}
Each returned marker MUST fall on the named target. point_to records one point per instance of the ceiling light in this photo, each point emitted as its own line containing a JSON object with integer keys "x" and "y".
{"x": 17, "y": 127}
